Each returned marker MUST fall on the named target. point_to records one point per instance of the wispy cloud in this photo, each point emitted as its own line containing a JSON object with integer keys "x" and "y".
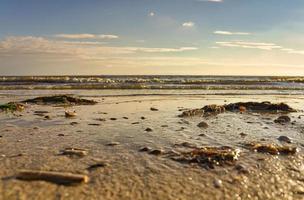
{"x": 86, "y": 36}
{"x": 249, "y": 45}
{"x": 230, "y": 33}
{"x": 29, "y": 45}
{"x": 259, "y": 45}
{"x": 188, "y": 24}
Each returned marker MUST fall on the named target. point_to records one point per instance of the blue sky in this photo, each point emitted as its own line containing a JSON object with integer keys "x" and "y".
{"x": 216, "y": 37}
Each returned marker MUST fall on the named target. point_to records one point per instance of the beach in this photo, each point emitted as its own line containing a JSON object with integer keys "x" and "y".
{"x": 131, "y": 139}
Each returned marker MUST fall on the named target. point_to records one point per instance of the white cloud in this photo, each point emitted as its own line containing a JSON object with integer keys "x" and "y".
{"x": 29, "y": 45}
{"x": 188, "y": 24}
{"x": 230, "y": 33}
{"x": 86, "y": 36}
{"x": 249, "y": 45}
{"x": 151, "y": 14}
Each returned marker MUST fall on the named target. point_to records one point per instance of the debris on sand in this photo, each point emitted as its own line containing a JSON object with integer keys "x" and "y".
{"x": 282, "y": 120}
{"x": 60, "y": 100}
{"x": 142, "y": 149}
{"x": 153, "y": 109}
{"x": 69, "y": 114}
{"x": 113, "y": 144}
{"x": 96, "y": 166}
{"x": 209, "y": 156}
{"x": 156, "y": 152}
{"x": 284, "y": 139}
{"x": 12, "y": 107}
{"x": 192, "y": 113}
{"x": 240, "y": 107}
{"x": 272, "y": 149}
{"x": 54, "y": 177}
{"x": 213, "y": 109}
{"x": 259, "y": 106}
{"x": 203, "y": 125}
{"x": 148, "y": 130}
{"x": 74, "y": 152}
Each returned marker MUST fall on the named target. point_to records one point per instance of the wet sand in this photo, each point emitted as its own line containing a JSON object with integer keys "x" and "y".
{"x": 32, "y": 142}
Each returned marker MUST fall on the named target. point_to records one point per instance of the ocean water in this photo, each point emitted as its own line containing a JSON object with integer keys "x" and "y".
{"x": 154, "y": 84}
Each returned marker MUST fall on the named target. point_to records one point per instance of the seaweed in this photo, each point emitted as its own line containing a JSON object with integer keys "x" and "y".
{"x": 209, "y": 156}
{"x": 272, "y": 149}
{"x": 12, "y": 107}
{"x": 59, "y": 100}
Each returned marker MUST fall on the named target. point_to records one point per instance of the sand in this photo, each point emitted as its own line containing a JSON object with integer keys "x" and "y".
{"x": 32, "y": 142}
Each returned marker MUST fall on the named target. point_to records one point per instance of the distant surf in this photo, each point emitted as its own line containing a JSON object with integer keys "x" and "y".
{"x": 151, "y": 82}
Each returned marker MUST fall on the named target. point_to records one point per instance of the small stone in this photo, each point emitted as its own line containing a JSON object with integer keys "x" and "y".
{"x": 156, "y": 152}
{"x": 135, "y": 123}
{"x": 145, "y": 149}
{"x": 47, "y": 117}
{"x": 202, "y": 125}
{"x": 113, "y": 144}
{"x": 125, "y": 118}
{"x": 148, "y": 130}
{"x": 282, "y": 120}
{"x": 74, "y": 123}
{"x": 61, "y": 134}
{"x": 202, "y": 135}
{"x": 93, "y": 124}
{"x": 113, "y": 118}
{"x": 284, "y": 139}
{"x": 69, "y": 114}
{"x": 142, "y": 118}
{"x": 153, "y": 109}
{"x": 164, "y": 126}
{"x": 218, "y": 183}
{"x": 241, "y": 169}
{"x": 243, "y": 134}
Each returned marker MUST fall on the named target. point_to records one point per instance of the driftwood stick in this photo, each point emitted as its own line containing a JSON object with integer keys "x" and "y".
{"x": 54, "y": 177}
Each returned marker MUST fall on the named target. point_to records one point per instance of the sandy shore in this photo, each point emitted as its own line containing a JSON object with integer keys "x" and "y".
{"x": 114, "y": 130}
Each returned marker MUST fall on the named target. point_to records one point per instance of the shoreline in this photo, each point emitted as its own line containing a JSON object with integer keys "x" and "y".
{"x": 113, "y": 132}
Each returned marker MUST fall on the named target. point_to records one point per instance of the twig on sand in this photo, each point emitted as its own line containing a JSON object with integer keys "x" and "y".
{"x": 54, "y": 177}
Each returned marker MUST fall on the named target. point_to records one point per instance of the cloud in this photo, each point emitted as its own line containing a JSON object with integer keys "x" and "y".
{"x": 230, "y": 33}
{"x": 188, "y": 24}
{"x": 151, "y": 14}
{"x": 259, "y": 45}
{"x": 86, "y": 36}
{"x": 30, "y": 45}
{"x": 249, "y": 45}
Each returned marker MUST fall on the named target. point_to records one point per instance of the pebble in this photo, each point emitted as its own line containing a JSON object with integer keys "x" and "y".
{"x": 202, "y": 125}
{"x": 153, "y": 109}
{"x": 284, "y": 139}
{"x": 218, "y": 183}
{"x": 243, "y": 134}
{"x": 113, "y": 144}
{"x": 156, "y": 152}
{"x": 74, "y": 123}
{"x": 60, "y": 134}
{"x": 145, "y": 149}
{"x": 113, "y": 118}
{"x": 149, "y": 129}
{"x": 142, "y": 118}
{"x": 282, "y": 119}
{"x": 241, "y": 169}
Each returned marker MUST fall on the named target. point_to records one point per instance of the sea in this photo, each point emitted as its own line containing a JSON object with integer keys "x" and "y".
{"x": 156, "y": 84}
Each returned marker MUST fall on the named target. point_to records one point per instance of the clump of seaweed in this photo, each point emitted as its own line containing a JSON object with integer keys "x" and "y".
{"x": 209, "y": 156}
{"x": 272, "y": 149}
{"x": 239, "y": 107}
{"x": 12, "y": 107}
{"x": 59, "y": 100}
{"x": 259, "y": 106}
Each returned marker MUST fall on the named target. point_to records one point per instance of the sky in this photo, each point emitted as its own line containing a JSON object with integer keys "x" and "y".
{"x": 165, "y": 37}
